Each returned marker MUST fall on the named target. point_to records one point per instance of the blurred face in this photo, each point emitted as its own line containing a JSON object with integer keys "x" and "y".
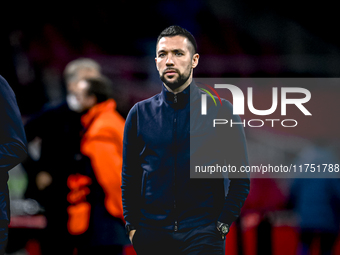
{"x": 78, "y": 99}
{"x": 82, "y": 73}
{"x": 175, "y": 62}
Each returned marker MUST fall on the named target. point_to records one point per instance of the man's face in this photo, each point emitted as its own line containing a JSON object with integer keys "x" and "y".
{"x": 79, "y": 99}
{"x": 82, "y": 73}
{"x": 174, "y": 60}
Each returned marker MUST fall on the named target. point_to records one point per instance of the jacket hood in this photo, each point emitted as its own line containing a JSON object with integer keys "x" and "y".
{"x": 106, "y": 106}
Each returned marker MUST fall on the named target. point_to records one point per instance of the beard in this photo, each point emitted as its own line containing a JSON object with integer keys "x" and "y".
{"x": 181, "y": 79}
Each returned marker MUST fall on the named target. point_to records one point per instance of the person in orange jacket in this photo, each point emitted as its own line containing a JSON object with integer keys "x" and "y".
{"x": 58, "y": 130}
{"x": 96, "y": 197}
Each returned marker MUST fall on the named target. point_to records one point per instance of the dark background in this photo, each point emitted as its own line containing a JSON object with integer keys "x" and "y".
{"x": 235, "y": 39}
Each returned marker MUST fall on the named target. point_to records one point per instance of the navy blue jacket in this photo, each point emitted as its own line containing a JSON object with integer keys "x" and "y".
{"x": 12, "y": 135}
{"x": 12, "y": 149}
{"x": 157, "y": 189}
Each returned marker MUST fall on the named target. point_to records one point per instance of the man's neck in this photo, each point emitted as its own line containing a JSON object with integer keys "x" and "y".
{"x": 181, "y": 88}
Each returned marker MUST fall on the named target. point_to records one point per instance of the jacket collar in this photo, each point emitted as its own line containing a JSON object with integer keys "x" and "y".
{"x": 180, "y": 100}
{"x": 106, "y": 106}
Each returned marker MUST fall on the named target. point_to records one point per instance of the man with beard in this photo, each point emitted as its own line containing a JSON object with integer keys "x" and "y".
{"x": 166, "y": 211}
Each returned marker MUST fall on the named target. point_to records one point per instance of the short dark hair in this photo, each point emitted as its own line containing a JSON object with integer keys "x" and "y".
{"x": 177, "y": 30}
{"x": 100, "y": 87}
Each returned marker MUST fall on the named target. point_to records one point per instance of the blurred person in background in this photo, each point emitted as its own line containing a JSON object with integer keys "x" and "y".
{"x": 12, "y": 151}
{"x": 58, "y": 130}
{"x": 316, "y": 201}
{"x": 99, "y": 203}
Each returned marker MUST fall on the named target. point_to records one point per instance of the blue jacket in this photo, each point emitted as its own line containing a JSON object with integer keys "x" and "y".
{"x": 156, "y": 185}
{"x": 12, "y": 149}
{"x": 317, "y": 200}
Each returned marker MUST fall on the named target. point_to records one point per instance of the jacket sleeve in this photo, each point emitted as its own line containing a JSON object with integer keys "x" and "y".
{"x": 132, "y": 173}
{"x": 236, "y": 155}
{"x": 105, "y": 153}
{"x": 13, "y": 145}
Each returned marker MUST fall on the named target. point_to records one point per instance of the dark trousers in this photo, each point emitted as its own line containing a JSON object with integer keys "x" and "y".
{"x": 110, "y": 250}
{"x": 203, "y": 240}
{"x": 106, "y": 234}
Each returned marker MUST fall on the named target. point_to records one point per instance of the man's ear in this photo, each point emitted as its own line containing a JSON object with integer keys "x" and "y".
{"x": 156, "y": 63}
{"x": 92, "y": 100}
{"x": 195, "y": 58}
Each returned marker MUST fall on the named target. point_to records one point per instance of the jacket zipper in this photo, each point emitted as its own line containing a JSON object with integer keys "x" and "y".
{"x": 175, "y": 164}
